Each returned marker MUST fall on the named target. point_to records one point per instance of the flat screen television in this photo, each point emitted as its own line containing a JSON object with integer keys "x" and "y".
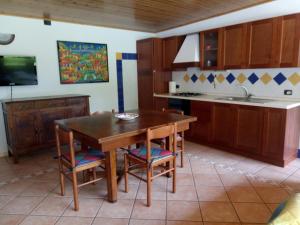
{"x": 18, "y": 70}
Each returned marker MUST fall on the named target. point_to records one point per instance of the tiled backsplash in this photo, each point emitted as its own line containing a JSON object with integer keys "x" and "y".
{"x": 260, "y": 82}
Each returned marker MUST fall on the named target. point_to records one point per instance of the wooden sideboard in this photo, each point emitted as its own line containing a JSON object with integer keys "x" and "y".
{"x": 29, "y": 122}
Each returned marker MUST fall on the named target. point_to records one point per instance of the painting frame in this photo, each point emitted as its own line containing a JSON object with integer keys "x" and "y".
{"x": 94, "y": 56}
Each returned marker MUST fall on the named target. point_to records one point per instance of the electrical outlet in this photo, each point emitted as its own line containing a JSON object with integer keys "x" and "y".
{"x": 288, "y": 92}
{"x": 177, "y": 86}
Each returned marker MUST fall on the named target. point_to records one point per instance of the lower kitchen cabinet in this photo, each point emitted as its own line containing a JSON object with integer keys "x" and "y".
{"x": 249, "y": 127}
{"x": 266, "y": 134}
{"x": 201, "y": 129}
{"x": 223, "y": 124}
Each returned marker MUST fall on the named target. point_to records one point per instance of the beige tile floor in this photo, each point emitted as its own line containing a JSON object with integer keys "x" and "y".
{"x": 214, "y": 188}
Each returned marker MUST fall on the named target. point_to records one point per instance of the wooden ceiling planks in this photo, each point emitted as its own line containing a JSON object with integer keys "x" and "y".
{"x": 140, "y": 15}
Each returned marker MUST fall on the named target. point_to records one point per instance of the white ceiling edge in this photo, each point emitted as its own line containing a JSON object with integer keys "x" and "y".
{"x": 263, "y": 11}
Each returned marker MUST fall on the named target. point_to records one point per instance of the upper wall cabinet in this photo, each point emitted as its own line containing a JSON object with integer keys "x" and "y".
{"x": 263, "y": 43}
{"x": 171, "y": 47}
{"x": 234, "y": 46}
{"x": 289, "y": 34}
{"x": 211, "y": 49}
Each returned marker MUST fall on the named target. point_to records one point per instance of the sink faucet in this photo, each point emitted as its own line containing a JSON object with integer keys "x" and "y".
{"x": 246, "y": 91}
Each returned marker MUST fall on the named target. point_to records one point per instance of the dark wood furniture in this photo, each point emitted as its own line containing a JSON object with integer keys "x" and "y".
{"x": 263, "y": 44}
{"x": 170, "y": 48}
{"x": 234, "y": 46}
{"x": 164, "y": 158}
{"x": 289, "y": 34}
{"x": 151, "y": 76}
{"x": 211, "y": 49}
{"x": 72, "y": 161}
{"x": 29, "y": 121}
{"x": 268, "y": 43}
{"x": 107, "y": 133}
{"x": 266, "y": 134}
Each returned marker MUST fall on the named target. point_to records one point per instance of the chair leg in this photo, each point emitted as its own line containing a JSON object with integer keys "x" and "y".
{"x": 94, "y": 175}
{"x": 126, "y": 172}
{"x": 174, "y": 175}
{"x": 182, "y": 152}
{"x": 62, "y": 179}
{"x": 75, "y": 191}
{"x": 149, "y": 186}
{"x": 62, "y": 184}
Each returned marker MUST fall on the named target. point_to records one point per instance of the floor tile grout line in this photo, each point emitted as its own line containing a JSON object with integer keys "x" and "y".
{"x": 29, "y": 214}
{"x": 134, "y": 201}
{"x": 195, "y": 186}
{"x": 231, "y": 203}
{"x": 93, "y": 220}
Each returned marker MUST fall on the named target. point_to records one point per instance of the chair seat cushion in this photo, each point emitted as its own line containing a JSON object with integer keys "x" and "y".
{"x": 156, "y": 153}
{"x": 85, "y": 157}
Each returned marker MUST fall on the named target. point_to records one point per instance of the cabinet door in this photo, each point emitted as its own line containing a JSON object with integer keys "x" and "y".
{"x": 145, "y": 74}
{"x": 170, "y": 47}
{"x": 211, "y": 49}
{"x": 201, "y": 130}
{"x": 161, "y": 103}
{"x": 249, "y": 129}
{"x": 263, "y": 43}
{"x": 290, "y": 40}
{"x": 46, "y": 123}
{"x": 234, "y": 46}
{"x": 26, "y": 131}
{"x": 274, "y": 133}
{"x": 224, "y": 125}
{"x": 145, "y": 56}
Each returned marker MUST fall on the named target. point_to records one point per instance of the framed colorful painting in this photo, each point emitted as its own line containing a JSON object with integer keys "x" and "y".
{"x": 82, "y": 62}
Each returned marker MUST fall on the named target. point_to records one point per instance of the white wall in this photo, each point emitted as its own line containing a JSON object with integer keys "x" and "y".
{"x": 34, "y": 38}
{"x": 267, "y": 10}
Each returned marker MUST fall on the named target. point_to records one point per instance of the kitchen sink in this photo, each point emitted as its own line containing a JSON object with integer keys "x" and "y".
{"x": 244, "y": 99}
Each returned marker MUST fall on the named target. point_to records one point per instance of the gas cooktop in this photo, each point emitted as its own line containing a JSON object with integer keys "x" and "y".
{"x": 187, "y": 94}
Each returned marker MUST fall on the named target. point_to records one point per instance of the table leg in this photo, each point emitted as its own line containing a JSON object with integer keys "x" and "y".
{"x": 111, "y": 175}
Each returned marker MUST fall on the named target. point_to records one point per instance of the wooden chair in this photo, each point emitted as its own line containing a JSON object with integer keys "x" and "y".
{"x": 179, "y": 137}
{"x": 72, "y": 162}
{"x": 148, "y": 158}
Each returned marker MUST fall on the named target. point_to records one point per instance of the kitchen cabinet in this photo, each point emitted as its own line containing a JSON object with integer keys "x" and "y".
{"x": 202, "y": 128}
{"x": 234, "y": 46}
{"x": 263, "y": 43}
{"x": 274, "y": 131}
{"x": 29, "y": 122}
{"x": 223, "y": 122}
{"x": 151, "y": 77}
{"x": 289, "y": 34}
{"x": 248, "y": 134}
{"x": 211, "y": 49}
{"x": 170, "y": 47}
{"x": 266, "y": 134}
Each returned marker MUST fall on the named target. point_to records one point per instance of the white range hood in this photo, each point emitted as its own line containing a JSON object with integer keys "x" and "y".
{"x": 189, "y": 51}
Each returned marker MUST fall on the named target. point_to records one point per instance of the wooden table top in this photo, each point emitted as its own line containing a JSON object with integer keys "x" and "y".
{"x": 105, "y": 127}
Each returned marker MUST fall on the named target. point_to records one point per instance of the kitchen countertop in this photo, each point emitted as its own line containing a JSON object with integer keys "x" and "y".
{"x": 275, "y": 103}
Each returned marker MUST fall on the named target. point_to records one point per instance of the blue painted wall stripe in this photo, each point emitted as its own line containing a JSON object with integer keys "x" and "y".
{"x": 125, "y": 56}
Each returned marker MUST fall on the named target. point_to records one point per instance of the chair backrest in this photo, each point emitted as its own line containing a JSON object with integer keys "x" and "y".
{"x": 168, "y": 131}
{"x": 177, "y": 111}
{"x": 65, "y": 137}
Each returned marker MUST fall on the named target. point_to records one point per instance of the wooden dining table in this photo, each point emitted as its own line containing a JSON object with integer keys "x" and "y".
{"x": 107, "y": 133}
